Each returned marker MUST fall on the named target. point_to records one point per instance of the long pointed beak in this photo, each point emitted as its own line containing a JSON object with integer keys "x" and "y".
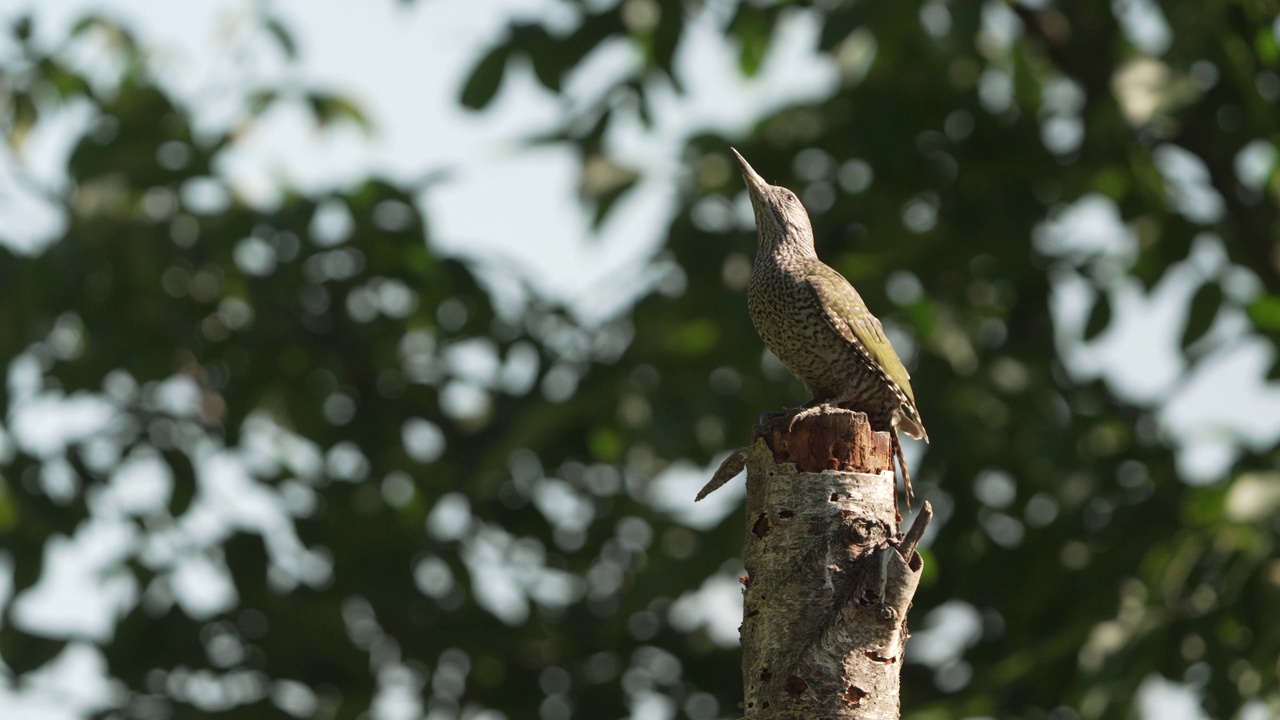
{"x": 755, "y": 183}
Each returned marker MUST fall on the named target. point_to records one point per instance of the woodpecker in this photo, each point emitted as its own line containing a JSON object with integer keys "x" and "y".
{"x": 813, "y": 320}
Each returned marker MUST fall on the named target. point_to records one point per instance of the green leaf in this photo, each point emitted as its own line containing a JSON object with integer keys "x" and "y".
{"x": 330, "y": 108}
{"x": 1205, "y": 506}
{"x": 841, "y": 21}
{"x": 609, "y": 198}
{"x": 1265, "y": 312}
{"x": 548, "y": 63}
{"x": 606, "y": 445}
{"x": 605, "y": 181}
{"x": 694, "y": 337}
{"x": 753, "y": 27}
{"x": 22, "y": 120}
{"x": 259, "y": 100}
{"x": 594, "y": 30}
{"x": 68, "y": 85}
{"x": 641, "y": 101}
{"x": 1265, "y": 43}
{"x": 1273, "y": 374}
{"x": 22, "y": 28}
{"x": 485, "y": 78}
{"x": 1099, "y": 317}
{"x": 665, "y": 40}
{"x": 592, "y": 140}
{"x": 88, "y": 22}
{"x": 1204, "y": 308}
{"x": 8, "y": 510}
{"x": 184, "y": 482}
{"x": 1112, "y": 181}
{"x": 119, "y": 34}
{"x": 24, "y": 652}
{"x": 282, "y": 36}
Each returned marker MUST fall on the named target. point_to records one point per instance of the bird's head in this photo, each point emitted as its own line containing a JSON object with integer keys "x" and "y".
{"x": 779, "y": 214}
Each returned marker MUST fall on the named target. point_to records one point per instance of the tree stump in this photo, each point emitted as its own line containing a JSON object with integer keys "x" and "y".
{"x": 829, "y": 578}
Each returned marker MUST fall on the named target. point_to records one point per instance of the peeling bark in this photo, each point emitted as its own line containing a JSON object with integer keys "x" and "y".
{"x": 828, "y": 588}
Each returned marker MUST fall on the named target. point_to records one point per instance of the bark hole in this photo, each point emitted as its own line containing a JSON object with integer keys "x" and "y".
{"x": 761, "y": 528}
{"x": 854, "y": 695}
{"x": 795, "y": 686}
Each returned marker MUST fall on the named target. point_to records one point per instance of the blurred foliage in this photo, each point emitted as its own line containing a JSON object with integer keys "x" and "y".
{"x": 370, "y": 389}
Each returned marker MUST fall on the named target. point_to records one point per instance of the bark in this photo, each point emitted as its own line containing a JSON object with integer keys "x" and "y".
{"x": 829, "y": 578}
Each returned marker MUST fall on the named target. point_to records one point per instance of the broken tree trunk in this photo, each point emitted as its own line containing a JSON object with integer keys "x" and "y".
{"x": 829, "y": 578}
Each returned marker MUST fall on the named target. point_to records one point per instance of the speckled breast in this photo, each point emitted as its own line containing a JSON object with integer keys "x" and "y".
{"x": 785, "y": 315}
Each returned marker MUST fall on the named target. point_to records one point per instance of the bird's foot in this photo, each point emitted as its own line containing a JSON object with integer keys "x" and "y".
{"x": 768, "y": 417}
{"x": 806, "y": 411}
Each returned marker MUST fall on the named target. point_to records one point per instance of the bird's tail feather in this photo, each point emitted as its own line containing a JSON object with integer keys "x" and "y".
{"x": 908, "y": 421}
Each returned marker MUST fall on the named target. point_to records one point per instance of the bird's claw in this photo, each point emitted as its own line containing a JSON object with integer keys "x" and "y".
{"x": 806, "y": 412}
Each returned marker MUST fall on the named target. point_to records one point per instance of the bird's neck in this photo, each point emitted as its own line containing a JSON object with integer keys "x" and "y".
{"x": 786, "y": 248}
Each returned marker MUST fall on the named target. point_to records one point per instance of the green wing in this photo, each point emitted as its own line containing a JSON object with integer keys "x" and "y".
{"x": 845, "y": 312}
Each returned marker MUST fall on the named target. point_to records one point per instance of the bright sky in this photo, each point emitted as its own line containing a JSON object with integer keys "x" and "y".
{"x": 516, "y": 211}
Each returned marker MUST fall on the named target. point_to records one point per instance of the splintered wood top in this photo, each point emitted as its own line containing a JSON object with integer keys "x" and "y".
{"x": 832, "y": 439}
